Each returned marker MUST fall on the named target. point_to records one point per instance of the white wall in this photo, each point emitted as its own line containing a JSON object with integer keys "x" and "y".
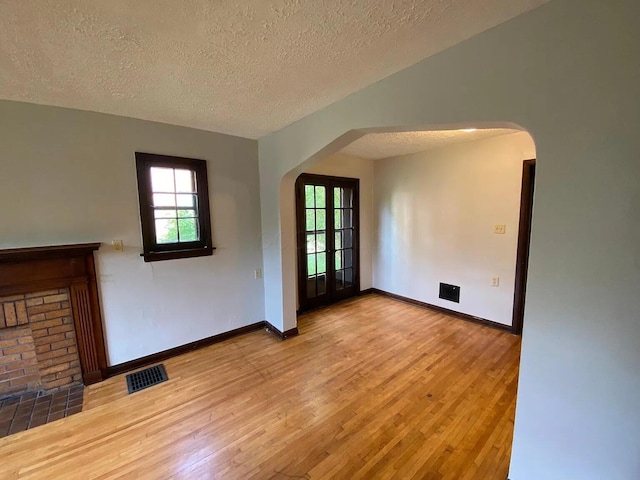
{"x": 566, "y": 73}
{"x": 68, "y": 176}
{"x": 341, "y": 165}
{"x": 435, "y": 213}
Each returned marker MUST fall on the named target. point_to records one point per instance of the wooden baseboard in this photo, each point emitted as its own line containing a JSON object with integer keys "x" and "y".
{"x": 277, "y": 333}
{"x": 446, "y": 311}
{"x": 205, "y": 342}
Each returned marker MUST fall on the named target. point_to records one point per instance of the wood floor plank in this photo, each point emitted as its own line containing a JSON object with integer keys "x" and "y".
{"x": 371, "y": 388}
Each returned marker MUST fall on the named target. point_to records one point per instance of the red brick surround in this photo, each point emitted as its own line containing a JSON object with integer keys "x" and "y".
{"x": 37, "y": 342}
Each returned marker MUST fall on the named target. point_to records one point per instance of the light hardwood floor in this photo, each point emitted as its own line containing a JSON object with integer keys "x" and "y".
{"x": 371, "y": 388}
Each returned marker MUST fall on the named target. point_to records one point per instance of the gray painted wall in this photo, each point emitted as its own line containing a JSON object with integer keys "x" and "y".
{"x": 68, "y": 176}
{"x": 569, "y": 73}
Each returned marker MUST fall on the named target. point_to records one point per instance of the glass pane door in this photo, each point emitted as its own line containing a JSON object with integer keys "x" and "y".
{"x": 327, "y": 224}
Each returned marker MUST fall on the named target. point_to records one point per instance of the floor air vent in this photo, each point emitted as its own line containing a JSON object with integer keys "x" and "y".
{"x": 146, "y": 378}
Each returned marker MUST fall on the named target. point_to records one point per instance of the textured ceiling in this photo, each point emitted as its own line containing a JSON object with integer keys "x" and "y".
{"x": 245, "y": 68}
{"x": 384, "y": 145}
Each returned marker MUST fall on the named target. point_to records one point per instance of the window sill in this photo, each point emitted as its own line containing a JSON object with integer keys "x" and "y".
{"x": 175, "y": 254}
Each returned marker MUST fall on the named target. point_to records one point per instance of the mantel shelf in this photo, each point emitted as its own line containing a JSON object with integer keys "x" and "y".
{"x": 29, "y": 254}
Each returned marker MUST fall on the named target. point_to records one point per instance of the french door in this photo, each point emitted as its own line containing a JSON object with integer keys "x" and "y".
{"x": 328, "y": 239}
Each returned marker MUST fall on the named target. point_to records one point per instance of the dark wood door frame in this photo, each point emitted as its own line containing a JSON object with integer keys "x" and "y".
{"x": 330, "y": 182}
{"x": 524, "y": 239}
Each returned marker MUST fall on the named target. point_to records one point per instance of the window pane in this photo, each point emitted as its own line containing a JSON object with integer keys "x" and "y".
{"x": 322, "y": 284}
{"x": 308, "y": 196}
{"x": 185, "y": 181}
{"x": 338, "y": 218}
{"x": 338, "y": 240}
{"x": 311, "y": 243}
{"x": 311, "y": 264}
{"x": 321, "y": 242}
{"x": 164, "y": 200}
{"x": 162, "y": 179}
{"x": 337, "y": 200}
{"x": 166, "y": 230}
{"x": 322, "y": 262}
{"x": 338, "y": 259}
{"x": 187, "y": 213}
{"x": 348, "y": 258}
{"x": 311, "y": 220}
{"x": 174, "y": 209}
{"x": 321, "y": 222}
{"x": 188, "y": 230}
{"x": 186, "y": 200}
{"x": 320, "y": 197}
{"x": 164, "y": 213}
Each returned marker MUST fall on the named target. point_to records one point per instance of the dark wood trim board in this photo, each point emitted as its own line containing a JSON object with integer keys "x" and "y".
{"x": 524, "y": 241}
{"x": 189, "y": 347}
{"x": 281, "y": 335}
{"x": 446, "y": 311}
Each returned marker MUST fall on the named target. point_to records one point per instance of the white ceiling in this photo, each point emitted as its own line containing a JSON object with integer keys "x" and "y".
{"x": 375, "y": 146}
{"x": 245, "y": 68}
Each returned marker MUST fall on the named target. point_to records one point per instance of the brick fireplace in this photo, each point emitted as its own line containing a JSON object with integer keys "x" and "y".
{"x": 50, "y": 325}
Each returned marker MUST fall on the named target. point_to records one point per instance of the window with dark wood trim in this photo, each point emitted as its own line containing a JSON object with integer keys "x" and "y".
{"x": 174, "y": 207}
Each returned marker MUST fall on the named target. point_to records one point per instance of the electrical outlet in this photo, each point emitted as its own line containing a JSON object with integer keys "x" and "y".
{"x": 499, "y": 229}
{"x": 258, "y": 273}
{"x": 117, "y": 245}
{"x": 495, "y": 282}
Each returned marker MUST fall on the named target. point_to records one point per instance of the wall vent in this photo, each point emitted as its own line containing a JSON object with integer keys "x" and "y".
{"x": 450, "y": 292}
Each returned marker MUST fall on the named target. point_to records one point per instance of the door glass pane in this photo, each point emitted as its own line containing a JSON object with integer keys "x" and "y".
{"x": 348, "y": 277}
{"x": 321, "y": 242}
{"x": 339, "y": 279}
{"x": 338, "y": 240}
{"x": 322, "y": 284}
{"x": 321, "y": 222}
{"x": 347, "y": 256}
{"x": 320, "y": 197}
{"x": 347, "y": 237}
{"x": 338, "y": 218}
{"x": 311, "y": 220}
{"x": 347, "y": 218}
{"x": 322, "y": 262}
{"x": 338, "y": 259}
{"x": 311, "y": 286}
{"x": 308, "y": 196}
{"x": 337, "y": 198}
{"x": 311, "y": 243}
{"x": 347, "y": 198}
{"x": 311, "y": 264}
